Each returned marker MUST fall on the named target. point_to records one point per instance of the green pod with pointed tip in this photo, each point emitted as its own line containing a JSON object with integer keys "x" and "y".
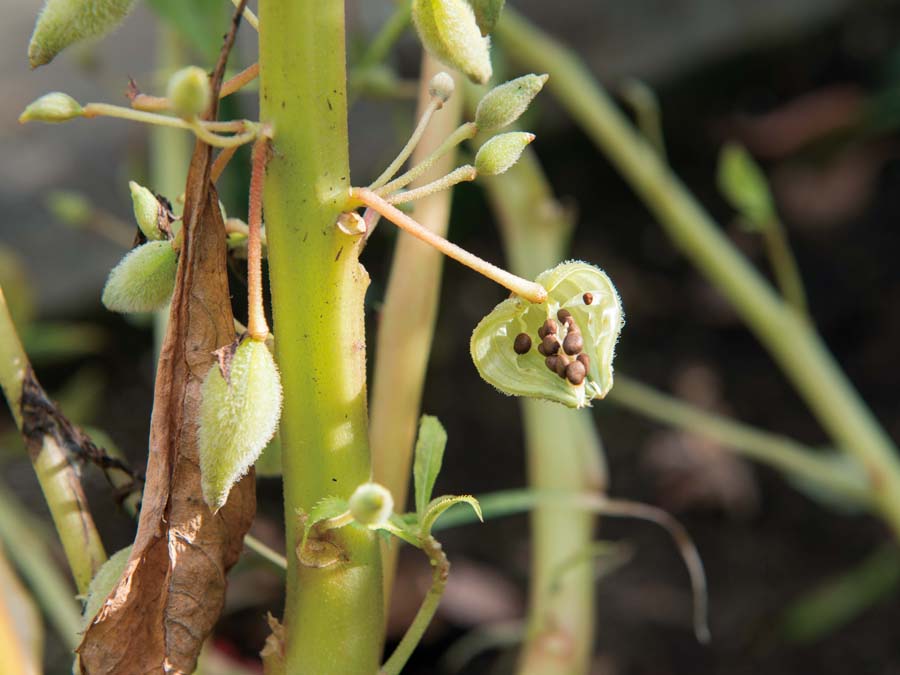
{"x": 448, "y": 29}
{"x": 504, "y": 104}
{"x": 583, "y": 291}
{"x": 144, "y": 280}
{"x": 146, "y": 211}
{"x": 53, "y": 107}
{"x": 239, "y": 413}
{"x": 64, "y": 22}
{"x": 500, "y": 153}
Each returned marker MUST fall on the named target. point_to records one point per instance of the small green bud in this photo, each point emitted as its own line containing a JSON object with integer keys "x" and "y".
{"x": 146, "y": 211}
{"x": 487, "y": 13}
{"x": 189, "y": 92}
{"x": 743, "y": 183}
{"x": 239, "y": 413}
{"x": 144, "y": 280}
{"x": 371, "y": 504}
{"x": 447, "y": 29}
{"x": 65, "y": 22}
{"x": 575, "y": 332}
{"x": 53, "y": 107}
{"x": 504, "y": 104}
{"x": 441, "y": 87}
{"x": 501, "y": 152}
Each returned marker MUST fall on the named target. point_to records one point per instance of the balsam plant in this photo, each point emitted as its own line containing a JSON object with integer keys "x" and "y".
{"x": 221, "y": 394}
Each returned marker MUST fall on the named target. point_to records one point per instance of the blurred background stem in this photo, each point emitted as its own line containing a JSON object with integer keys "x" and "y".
{"x": 788, "y": 336}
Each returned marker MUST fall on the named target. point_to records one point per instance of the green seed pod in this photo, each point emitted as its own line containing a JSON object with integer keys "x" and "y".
{"x": 65, "y": 22}
{"x": 102, "y": 584}
{"x": 447, "y": 29}
{"x": 53, "y": 107}
{"x": 487, "y": 13}
{"x": 239, "y": 413}
{"x": 189, "y": 92}
{"x": 499, "y": 363}
{"x": 504, "y": 104}
{"x": 144, "y": 280}
{"x": 146, "y": 211}
{"x": 499, "y": 153}
{"x": 371, "y": 504}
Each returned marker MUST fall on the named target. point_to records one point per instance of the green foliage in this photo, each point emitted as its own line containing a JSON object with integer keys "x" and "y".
{"x": 448, "y": 29}
{"x": 439, "y": 505}
{"x": 64, "y": 22}
{"x": 743, "y": 183}
{"x": 324, "y": 509}
{"x": 487, "y": 13}
{"x": 144, "y": 280}
{"x": 429, "y": 456}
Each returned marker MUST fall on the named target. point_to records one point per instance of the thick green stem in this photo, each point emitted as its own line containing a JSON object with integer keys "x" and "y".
{"x": 562, "y": 447}
{"x": 333, "y": 615}
{"x": 411, "y": 301}
{"x": 784, "y": 266}
{"x": 57, "y": 476}
{"x": 787, "y": 335}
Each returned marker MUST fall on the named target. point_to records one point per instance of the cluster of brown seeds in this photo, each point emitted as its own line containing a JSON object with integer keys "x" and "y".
{"x": 561, "y": 345}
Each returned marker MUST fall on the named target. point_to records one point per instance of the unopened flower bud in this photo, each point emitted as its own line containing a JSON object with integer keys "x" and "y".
{"x": 146, "y": 211}
{"x": 447, "y": 29}
{"x": 189, "y": 92}
{"x": 500, "y": 153}
{"x": 371, "y": 504}
{"x": 441, "y": 86}
{"x": 504, "y": 104}
{"x": 54, "y": 107}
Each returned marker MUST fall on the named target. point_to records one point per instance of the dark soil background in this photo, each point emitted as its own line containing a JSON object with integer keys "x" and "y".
{"x": 766, "y": 73}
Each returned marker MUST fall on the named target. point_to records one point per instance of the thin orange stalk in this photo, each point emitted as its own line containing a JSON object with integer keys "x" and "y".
{"x": 256, "y": 315}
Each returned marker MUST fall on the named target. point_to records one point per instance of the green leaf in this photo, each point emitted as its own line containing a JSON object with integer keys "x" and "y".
{"x": 324, "y": 509}
{"x": 487, "y": 13}
{"x": 439, "y": 505}
{"x": 429, "y": 456}
{"x": 448, "y": 29}
{"x": 743, "y": 183}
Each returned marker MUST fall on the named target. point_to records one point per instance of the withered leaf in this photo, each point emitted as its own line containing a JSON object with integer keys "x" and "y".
{"x": 172, "y": 591}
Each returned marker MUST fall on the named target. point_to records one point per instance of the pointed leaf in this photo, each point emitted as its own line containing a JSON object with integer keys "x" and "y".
{"x": 324, "y": 509}
{"x": 429, "y": 456}
{"x": 440, "y": 504}
{"x": 743, "y": 183}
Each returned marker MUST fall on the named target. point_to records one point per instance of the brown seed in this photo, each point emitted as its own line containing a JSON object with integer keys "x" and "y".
{"x": 551, "y": 362}
{"x": 541, "y": 349}
{"x": 542, "y": 331}
{"x": 585, "y": 360}
{"x": 561, "y": 365}
{"x": 522, "y": 343}
{"x": 574, "y": 343}
{"x": 564, "y": 315}
{"x": 550, "y": 345}
{"x": 551, "y": 327}
{"x": 588, "y": 298}
{"x": 575, "y": 372}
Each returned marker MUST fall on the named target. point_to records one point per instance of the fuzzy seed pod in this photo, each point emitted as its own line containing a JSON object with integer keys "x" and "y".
{"x": 500, "y": 153}
{"x": 146, "y": 211}
{"x": 504, "y": 104}
{"x": 65, "y": 22}
{"x": 239, "y": 414}
{"x": 53, "y": 107}
{"x": 534, "y": 375}
{"x": 143, "y": 281}
{"x": 448, "y": 29}
{"x": 371, "y": 504}
{"x": 189, "y": 92}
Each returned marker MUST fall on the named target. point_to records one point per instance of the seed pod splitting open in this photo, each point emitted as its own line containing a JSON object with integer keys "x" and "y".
{"x": 144, "y": 280}
{"x": 239, "y": 414}
{"x": 573, "y": 379}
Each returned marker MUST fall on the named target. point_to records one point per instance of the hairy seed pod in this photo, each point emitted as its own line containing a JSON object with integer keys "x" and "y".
{"x": 65, "y": 22}
{"x": 500, "y": 153}
{"x": 447, "y": 29}
{"x": 53, "y": 107}
{"x": 189, "y": 92}
{"x": 534, "y": 375}
{"x": 143, "y": 281}
{"x": 573, "y": 343}
{"x": 371, "y": 504}
{"x": 504, "y": 104}
{"x": 146, "y": 211}
{"x": 239, "y": 414}
{"x": 522, "y": 344}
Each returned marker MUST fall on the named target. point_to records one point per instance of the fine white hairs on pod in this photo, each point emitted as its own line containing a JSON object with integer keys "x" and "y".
{"x": 144, "y": 280}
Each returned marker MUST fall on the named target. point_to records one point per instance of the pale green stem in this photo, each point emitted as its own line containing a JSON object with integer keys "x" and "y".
{"x": 786, "y": 334}
{"x": 333, "y": 615}
{"x": 463, "y": 174}
{"x": 265, "y": 552}
{"x": 426, "y": 612}
{"x": 388, "y": 35}
{"x": 248, "y": 15}
{"x": 57, "y": 476}
{"x": 393, "y": 167}
{"x": 20, "y": 534}
{"x": 784, "y": 266}
{"x": 779, "y": 452}
{"x": 647, "y": 114}
{"x": 401, "y": 358}
{"x": 463, "y": 133}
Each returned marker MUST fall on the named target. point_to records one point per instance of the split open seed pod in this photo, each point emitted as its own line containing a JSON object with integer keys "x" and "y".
{"x": 239, "y": 414}
{"x": 540, "y": 366}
